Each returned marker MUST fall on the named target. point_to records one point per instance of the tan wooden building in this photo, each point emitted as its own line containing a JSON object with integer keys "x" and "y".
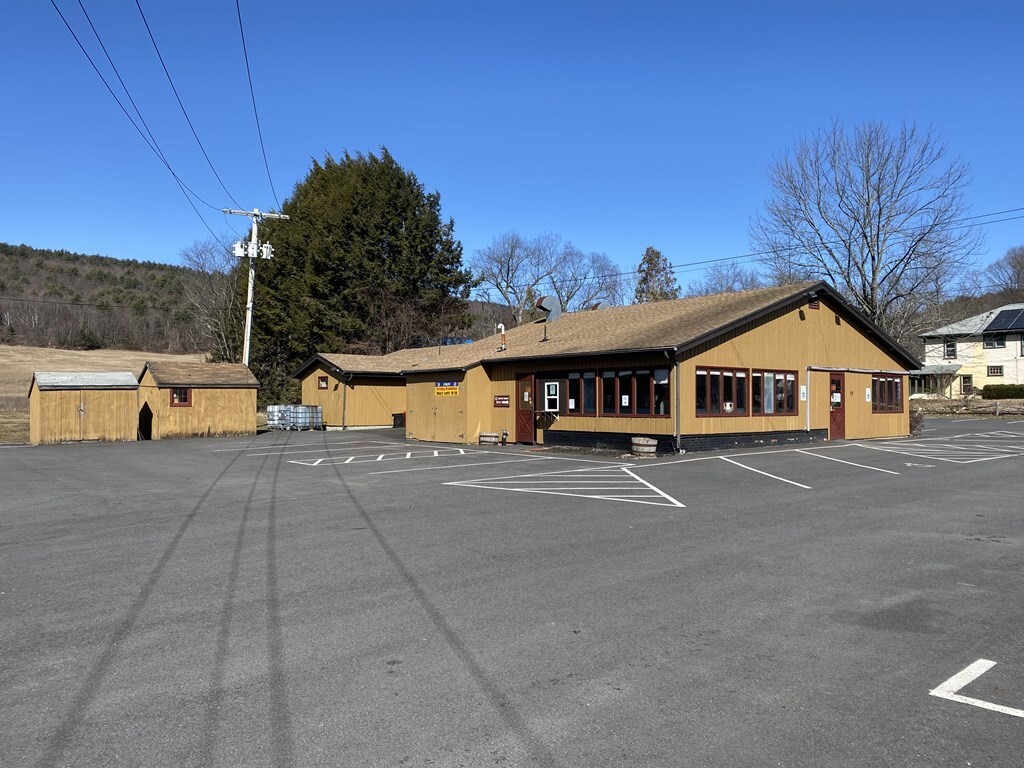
{"x": 776, "y": 365}
{"x": 354, "y": 390}
{"x": 73, "y": 405}
{"x": 196, "y": 400}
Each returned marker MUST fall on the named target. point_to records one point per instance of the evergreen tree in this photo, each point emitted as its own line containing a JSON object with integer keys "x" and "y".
{"x": 655, "y": 281}
{"x": 365, "y": 264}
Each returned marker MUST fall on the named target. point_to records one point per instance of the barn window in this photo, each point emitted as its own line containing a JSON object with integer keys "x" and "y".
{"x": 887, "y": 394}
{"x": 773, "y": 392}
{"x": 720, "y": 392}
{"x": 321, "y": 382}
{"x": 582, "y": 393}
{"x": 181, "y": 397}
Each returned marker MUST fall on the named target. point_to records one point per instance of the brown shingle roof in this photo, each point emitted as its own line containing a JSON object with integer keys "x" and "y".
{"x": 661, "y": 325}
{"x": 220, "y": 375}
{"x": 654, "y": 326}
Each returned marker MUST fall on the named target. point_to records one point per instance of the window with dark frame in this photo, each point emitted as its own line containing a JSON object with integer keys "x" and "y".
{"x": 321, "y": 382}
{"x": 181, "y": 397}
{"x": 774, "y": 393}
{"x": 949, "y": 348}
{"x": 994, "y": 340}
{"x": 721, "y": 392}
{"x": 886, "y": 394}
{"x": 643, "y": 392}
{"x": 995, "y": 370}
{"x": 966, "y": 384}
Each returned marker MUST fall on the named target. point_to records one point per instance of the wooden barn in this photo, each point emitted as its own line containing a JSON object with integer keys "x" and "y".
{"x": 196, "y": 400}
{"x": 70, "y": 406}
{"x": 355, "y": 390}
{"x": 785, "y": 364}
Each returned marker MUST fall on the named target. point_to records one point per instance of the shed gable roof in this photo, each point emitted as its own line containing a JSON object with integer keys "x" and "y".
{"x": 51, "y": 380}
{"x": 202, "y": 375}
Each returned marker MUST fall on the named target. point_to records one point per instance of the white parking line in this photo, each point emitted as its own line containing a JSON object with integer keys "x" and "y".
{"x": 766, "y": 474}
{"x": 841, "y": 461}
{"x": 948, "y": 690}
{"x": 455, "y": 466}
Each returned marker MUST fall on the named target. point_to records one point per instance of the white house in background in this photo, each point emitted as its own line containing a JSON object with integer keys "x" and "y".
{"x": 967, "y": 355}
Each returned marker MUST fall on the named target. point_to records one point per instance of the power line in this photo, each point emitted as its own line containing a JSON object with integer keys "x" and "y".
{"x": 256, "y": 114}
{"x": 696, "y": 266}
{"x": 154, "y": 147}
{"x": 180, "y": 104}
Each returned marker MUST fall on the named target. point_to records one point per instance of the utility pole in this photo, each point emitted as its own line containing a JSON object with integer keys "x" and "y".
{"x": 266, "y": 252}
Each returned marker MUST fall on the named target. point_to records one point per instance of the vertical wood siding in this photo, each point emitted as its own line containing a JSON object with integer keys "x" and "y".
{"x": 213, "y": 411}
{"x": 368, "y": 401}
{"x": 82, "y": 414}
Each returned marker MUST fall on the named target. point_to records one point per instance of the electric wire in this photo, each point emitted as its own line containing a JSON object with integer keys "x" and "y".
{"x": 255, "y": 112}
{"x": 697, "y": 266}
{"x": 188, "y": 120}
{"x": 138, "y": 112}
{"x": 185, "y": 189}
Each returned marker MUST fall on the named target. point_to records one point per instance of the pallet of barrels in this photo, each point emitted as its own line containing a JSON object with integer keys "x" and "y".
{"x": 295, "y": 417}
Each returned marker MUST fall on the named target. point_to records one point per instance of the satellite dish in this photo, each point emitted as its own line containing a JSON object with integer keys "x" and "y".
{"x": 550, "y": 307}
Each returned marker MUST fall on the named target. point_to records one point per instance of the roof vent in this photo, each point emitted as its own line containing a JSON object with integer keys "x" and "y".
{"x": 550, "y": 307}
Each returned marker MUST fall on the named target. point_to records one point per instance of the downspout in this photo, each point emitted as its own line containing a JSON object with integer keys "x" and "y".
{"x": 807, "y": 409}
{"x": 344, "y": 401}
{"x": 678, "y": 387}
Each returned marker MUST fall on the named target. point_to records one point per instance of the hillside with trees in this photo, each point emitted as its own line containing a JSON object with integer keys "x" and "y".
{"x": 74, "y": 301}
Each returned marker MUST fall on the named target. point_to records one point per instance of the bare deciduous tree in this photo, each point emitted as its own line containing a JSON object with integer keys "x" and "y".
{"x": 725, "y": 277}
{"x": 516, "y": 272}
{"x": 1006, "y": 275}
{"x": 877, "y": 213}
{"x": 212, "y": 295}
{"x": 512, "y": 268}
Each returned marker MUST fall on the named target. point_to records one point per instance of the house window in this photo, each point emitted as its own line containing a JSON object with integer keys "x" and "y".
{"x": 995, "y": 370}
{"x": 994, "y": 340}
{"x": 721, "y": 392}
{"x": 321, "y": 382}
{"x": 886, "y": 394}
{"x": 773, "y": 392}
{"x": 181, "y": 397}
{"x": 966, "y": 384}
{"x": 949, "y": 348}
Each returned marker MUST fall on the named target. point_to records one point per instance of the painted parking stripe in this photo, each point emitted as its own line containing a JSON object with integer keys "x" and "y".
{"x": 766, "y": 474}
{"x": 843, "y": 461}
{"x": 617, "y": 483}
{"x": 949, "y": 689}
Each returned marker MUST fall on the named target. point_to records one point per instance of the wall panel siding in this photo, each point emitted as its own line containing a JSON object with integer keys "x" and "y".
{"x": 437, "y": 418}
{"x": 791, "y": 340}
{"x": 362, "y": 401}
{"x": 214, "y": 411}
{"x": 82, "y": 414}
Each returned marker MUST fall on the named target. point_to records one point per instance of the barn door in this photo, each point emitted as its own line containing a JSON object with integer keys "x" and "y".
{"x": 837, "y": 406}
{"x": 525, "y": 409}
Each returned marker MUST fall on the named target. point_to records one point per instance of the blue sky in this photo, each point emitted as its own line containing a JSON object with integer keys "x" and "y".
{"x": 616, "y": 125}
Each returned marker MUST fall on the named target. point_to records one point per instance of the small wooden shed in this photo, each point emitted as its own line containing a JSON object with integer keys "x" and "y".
{"x": 74, "y": 405}
{"x": 196, "y": 400}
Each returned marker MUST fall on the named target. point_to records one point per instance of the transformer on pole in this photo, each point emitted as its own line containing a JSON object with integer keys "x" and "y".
{"x": 252, "y": 251}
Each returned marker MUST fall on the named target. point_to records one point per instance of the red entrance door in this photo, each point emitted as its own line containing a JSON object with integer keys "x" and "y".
{"x": 524, "y": 409}
{"x": 837, "y": 406}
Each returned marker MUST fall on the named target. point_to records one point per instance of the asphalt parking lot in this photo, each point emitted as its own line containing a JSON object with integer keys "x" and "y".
{"x": 352, "y": 599}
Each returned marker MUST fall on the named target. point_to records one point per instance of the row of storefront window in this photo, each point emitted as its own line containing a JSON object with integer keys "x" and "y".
{"x": 739, "y": 392}
{"x": 643, "y": 392}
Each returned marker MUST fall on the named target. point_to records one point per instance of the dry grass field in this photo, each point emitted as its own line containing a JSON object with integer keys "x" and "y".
{"x": 17, "y": 364}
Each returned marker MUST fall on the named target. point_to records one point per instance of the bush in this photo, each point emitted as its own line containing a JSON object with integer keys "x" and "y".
{"x": 916, "y": 421}
{"x": 1003, "y": 392}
